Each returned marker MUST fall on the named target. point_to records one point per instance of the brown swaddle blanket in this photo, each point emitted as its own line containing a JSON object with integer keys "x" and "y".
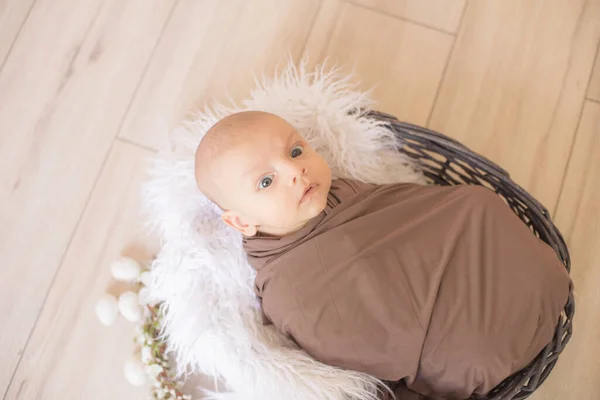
{"x": 441, "y": 287}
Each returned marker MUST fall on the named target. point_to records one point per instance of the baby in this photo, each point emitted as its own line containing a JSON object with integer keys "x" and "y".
{"x": 441, "y": 290}
{"x": 261, "y": 171}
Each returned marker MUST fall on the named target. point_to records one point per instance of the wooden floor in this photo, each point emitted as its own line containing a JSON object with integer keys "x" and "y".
{"x": 89, "y": 88}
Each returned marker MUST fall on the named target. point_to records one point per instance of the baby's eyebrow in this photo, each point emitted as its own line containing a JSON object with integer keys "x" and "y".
{"x": 252, "y": 171}
{"x": 291, "y": 135}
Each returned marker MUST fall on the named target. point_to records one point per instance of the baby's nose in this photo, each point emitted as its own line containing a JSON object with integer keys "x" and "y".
{"x": 298, "y": 175}
{"x": 297, "y": 171}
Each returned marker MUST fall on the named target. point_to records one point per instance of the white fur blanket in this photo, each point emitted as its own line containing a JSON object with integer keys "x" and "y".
{"x": 201, "y": 275}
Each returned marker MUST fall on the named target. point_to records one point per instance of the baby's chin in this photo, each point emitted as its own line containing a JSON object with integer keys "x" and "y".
{"x": 315, "y": 207}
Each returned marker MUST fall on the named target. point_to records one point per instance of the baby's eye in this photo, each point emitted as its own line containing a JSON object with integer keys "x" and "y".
{"x": 265, "y": 182}
{"x": 296, "y": 151}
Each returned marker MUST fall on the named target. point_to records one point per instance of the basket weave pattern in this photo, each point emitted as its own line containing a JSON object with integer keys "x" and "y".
{"x": 447, "y": 162}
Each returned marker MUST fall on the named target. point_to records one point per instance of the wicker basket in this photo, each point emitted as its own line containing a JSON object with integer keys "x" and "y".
{"x": 447, "y": 162}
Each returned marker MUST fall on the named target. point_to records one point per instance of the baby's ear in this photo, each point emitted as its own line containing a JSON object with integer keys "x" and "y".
{"x": 236, "y": 221}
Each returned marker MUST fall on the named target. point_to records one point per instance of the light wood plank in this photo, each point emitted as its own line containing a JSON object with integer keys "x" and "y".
{"x": 513, "y": 89}
{"x": 211, "y": 51}
{"x": 594, "y": 88}
{"x": 71, "y": 355}
{"x": 439, "y": 14}
{"x": 62, "y": 98}
{"x": 578, "y": 215}
{"x": 402, "y": 62}
{"x": 63, "y": 93}
{"x": 12, "y": 17}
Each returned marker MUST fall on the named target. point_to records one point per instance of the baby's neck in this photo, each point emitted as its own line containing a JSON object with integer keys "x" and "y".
{"x": 280, "y": 231}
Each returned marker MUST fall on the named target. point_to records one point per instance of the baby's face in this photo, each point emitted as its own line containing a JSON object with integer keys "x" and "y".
{"x": 274, "y": 180}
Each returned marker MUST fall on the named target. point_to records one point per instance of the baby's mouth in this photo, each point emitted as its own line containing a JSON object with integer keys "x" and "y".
{"x": 308, "y": 191}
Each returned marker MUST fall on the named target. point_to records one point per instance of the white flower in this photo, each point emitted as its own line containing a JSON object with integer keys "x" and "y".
{"x": 146, "y": 278}
{"x": 144, "y": 297}
{"x": 125, "y": 269}
{"x": 134, "y": 372}
{"x": 130, "y": 307}
{"x": 146, "y": 354}
{"x": 154, "y": 370}
{"x": 140, "y": 339}
{"x": 107, "y": 309}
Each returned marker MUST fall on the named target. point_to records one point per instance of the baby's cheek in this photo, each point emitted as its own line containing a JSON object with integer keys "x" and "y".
{"x": 276, "y": 212}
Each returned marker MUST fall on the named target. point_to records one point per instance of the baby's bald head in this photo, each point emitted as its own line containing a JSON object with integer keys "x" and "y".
{"x": 262, "y": 173}
{"x": 221, "y": 138}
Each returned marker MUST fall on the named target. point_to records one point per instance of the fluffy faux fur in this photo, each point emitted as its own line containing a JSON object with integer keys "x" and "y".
{"x": 212, "y": 318}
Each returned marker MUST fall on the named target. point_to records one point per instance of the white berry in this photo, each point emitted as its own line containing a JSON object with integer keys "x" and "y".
{"x": 130, "y": 307}
{"x": 107, "y": 309}
{"x": 146, "y": 278}
{"x": 134, "y": 372}
{"x": 125, "y": 269}
{"x": 144, "y": 297}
